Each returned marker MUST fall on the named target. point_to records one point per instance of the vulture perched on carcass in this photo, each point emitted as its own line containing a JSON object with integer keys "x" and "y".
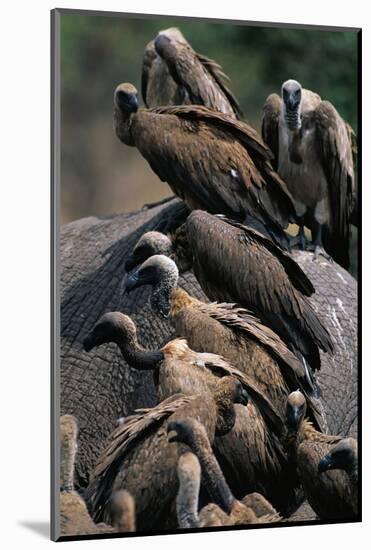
{"x": 329, "y": 492}
{"x": 313, "y": 149}
{"x": 210, "y": 160}
{"x": 137, "y": 456}
{"x": 244, "y": 267}
{"x": 252, "y": 451}
{"x": 174, "y": 74}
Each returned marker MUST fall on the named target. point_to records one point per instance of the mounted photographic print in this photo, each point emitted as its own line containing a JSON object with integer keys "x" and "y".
{"x": 206, "y": 238}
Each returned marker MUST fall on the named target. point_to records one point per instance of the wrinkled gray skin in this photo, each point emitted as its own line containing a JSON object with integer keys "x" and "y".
{"x": 98, "y": 387}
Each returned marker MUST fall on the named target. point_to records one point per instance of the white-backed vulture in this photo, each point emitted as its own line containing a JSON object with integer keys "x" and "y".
{"x": 74, "y": 516}
{"x": 174, "y": 74}
{"x": 209, "y": 160}
{"x": 139, "y": 459}
{"x": 225, "y": 329}
{"x": 313, "y": 154}
{"x": 252, "y": 453}
{"x": 243, "y": 267}
{"x": 231, "y": 511}
{"x": 328, "y": 493}
{"x": 344, "y": 456}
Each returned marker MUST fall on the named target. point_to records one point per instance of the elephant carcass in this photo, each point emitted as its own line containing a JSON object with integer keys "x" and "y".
{"x": 98, "y": 387}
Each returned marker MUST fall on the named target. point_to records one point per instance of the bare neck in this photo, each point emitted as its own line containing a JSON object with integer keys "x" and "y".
{"x": 137, "y": 357}
{"x": 68, "y": 455}
{"x": 187, "y": 503}
{"x": 122, "y": 125}
{"x": 215, "y": 482}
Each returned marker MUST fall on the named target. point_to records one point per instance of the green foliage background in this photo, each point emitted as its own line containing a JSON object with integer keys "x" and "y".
{"x": 99, "y": 174}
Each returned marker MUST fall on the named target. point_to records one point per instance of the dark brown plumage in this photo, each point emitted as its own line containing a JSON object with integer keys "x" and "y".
{"x": 344, "y": 456}
{"x": 211, "y": 161}
{"x": 328, "y": 493}
{"x": 138, "y": 458}
{"x": 174, "y": 74}
{"x": 259, "y": 466}
{"x": 243, "y": 266}
{"x": 313, "y": 148}
{"x": 231, "y": 511}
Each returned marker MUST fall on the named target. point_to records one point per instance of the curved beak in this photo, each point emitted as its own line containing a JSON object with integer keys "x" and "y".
{"x": 244, "y": 397}
{"x": 293, "y": 418}
{"x": 324, "y": 464}
{"x": 171, "y": 436}
{"x": 89, "y": 342}
{"x": 132, "y": 282}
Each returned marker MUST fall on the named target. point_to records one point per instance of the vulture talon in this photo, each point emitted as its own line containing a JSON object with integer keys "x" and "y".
{"x": 319, "y": 251}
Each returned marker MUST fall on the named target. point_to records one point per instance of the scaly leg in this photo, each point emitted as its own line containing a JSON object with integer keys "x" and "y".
{"x": 317, "y": 244}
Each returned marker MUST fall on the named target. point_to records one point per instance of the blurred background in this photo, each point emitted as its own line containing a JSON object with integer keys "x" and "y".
{"x": 99, "y": 174}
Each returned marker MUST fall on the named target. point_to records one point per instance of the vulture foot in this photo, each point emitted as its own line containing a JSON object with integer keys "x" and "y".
{"x": 319, "y": 251}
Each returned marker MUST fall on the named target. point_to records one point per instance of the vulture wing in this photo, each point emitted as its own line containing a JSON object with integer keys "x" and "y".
{"x": 271, "y": 116}
{"x": 218, "y": 366}
{"x": 157, "y": 86}
{"x": 221, "y": 79}
{"x": 148, "y": 60}
{"x": 335, "y": 151}
{"x": 200, "y": 77}
{"x": 240, "y": 319}
{"x": 135, "y": 428}
{"x": 214, "y": 162}
{"x": 293, "y": 270}
{"x": 238, "y": 268}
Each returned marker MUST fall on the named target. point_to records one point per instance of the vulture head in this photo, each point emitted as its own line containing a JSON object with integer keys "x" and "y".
{"x": 343, "y": 457}
{"x": 231, "y": 389}
{"x": 150, "y": 243}
{"x": 296, "y": 409}
{"x": 291, "y": 96}
{"x": 166, "y": 43}
{"x": 111, "y": 327}
{"x": 126, "y": 98}
{"x": 162, "y": 274}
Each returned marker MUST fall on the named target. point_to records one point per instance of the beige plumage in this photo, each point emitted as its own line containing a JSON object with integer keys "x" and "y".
{"x": 313, "y": 147}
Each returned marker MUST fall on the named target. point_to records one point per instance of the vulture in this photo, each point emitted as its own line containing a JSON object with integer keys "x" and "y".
{"x": 344, "y": 456}
{"x": 226, "y": 510}
{"x": 74, "y": 516}
{"x": 174, "y": 74}
{"x": 228, "y": 330}
{"x": 252, "y": 453}
{"x": 210, "y": 160}
{"x": 246, "y": 268}
{"x": 329, "y": 493}
{"x": 139, "y": 459}
{"x": 312, "y": 146}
